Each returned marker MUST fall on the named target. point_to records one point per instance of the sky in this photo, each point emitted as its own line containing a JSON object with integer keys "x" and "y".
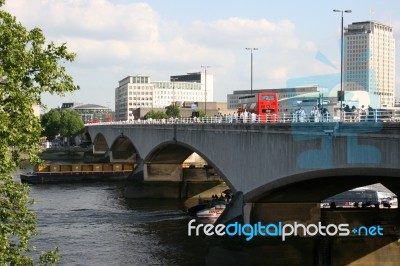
{"x": 159, "y": 38}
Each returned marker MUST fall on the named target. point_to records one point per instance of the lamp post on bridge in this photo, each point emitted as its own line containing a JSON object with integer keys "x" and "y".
{"x": 341, "y": 95}
{"x": 251, "y": 68}
{"x": 173, "y": 90}
{"x": 205, "y": 88}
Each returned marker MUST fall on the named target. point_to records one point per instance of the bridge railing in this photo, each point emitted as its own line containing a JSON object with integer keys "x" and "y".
{"x": 349, "y": 117}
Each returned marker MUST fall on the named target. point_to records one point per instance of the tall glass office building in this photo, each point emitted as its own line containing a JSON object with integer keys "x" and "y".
{"x": 369, "y": 60}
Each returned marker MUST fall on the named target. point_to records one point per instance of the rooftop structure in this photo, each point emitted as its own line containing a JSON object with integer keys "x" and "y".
{"x": 90, "y": 113}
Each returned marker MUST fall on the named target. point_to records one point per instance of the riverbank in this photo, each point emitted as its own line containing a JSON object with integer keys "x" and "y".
{"x": 63, "y": 154}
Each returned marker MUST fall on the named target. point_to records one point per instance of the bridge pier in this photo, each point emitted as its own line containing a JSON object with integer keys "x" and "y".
{"x": 305, "y": 213}
{"x": 172, "y": 181}
{"x": 162, "y": 172}
{"x": 250, "y": 213}
{"x": 122, "y": 157}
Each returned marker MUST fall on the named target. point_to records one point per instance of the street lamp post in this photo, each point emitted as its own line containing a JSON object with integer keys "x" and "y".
{"x": 173, "y": 90}
{"x": 205, "y": 88}
{"x": 341, "y": 58}
{"x": 251, "y": 68}
{"x": 152, "y": 98}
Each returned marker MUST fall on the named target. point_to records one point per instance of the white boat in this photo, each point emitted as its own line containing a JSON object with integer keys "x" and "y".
{"x": 213, "y": 212}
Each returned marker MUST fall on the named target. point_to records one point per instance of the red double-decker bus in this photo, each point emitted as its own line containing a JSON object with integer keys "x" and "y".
{"x": 263, "y": 104}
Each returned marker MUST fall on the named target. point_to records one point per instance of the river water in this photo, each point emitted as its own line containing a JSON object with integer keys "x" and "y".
{"x": 94, "y": 224}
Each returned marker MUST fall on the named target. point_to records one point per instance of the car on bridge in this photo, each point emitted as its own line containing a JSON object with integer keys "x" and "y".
{"x": 353, "y": 199}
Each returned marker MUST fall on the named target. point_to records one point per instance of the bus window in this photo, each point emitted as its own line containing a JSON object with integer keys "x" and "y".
{"x": 268, "y": 98}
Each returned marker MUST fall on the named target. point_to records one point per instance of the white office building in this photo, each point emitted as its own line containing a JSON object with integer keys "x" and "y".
{"x": 140, "y": 92}
{"x": 369, "y": 60}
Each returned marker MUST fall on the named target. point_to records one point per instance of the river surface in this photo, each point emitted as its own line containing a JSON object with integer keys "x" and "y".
{"x": 93, "y": 224}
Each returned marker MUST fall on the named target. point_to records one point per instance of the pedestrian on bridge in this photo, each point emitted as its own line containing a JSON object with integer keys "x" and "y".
{"x": 302, "y": 115}
{"x": 363, "y": 113}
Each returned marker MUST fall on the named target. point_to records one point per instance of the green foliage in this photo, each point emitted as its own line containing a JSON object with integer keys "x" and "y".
{"x": 29, "y": 66}
{"x": 202, "y": 113}
{"x": 67, "y": 124}
{"x": 173, "y": 111}
{"x": 51, "y": 122}
{"x": 71, "y": 124}
{"x": 17, "y": 223}
{"x": 49, "y": 258}
{"x": 155, "y": 115}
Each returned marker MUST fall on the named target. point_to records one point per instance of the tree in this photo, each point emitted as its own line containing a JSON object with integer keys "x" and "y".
{"x": 29, "y": 66}
{"x": 173, "y": 111}
{"x": 51, "y": 122}
{"x": 71, "y": 124}
{"x": 155, "y": 115}
{"x": 202, "y": 113}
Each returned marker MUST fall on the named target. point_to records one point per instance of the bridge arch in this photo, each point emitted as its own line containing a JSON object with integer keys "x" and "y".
{"x": 173, "y": 154}
{"x": 317, "y": 185}
{"x": 123, "y": 150}
{"x": 100, "y": 145}
{"x": 162, "y": 153}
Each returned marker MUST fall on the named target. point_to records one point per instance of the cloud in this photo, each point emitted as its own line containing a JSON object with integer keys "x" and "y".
{"x": 95, "y": 19}
{"x": 116, "y": 40}
{"x": 244, "y": 32}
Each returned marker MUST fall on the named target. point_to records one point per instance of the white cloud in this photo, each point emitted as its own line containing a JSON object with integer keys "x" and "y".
{"x": 131, "y": 38}
{"x": 95, "y": 19}
{"x": 241, "y": 32}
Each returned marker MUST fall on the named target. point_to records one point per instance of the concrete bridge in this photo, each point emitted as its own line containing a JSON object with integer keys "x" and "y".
{"x": 267, "y": 162}
{"x": 280, "y": 172}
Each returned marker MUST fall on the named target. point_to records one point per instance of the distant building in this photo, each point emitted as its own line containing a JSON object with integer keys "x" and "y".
{"x": 369, "y": 60}
{"x": 213, "y": 108}
{"x": 139, "y": 92}
{"x": 283, "y": 93}
{"x": 90, "y": 113}
{"x": 65, "y": 106}
{"x": 397, "y": 102}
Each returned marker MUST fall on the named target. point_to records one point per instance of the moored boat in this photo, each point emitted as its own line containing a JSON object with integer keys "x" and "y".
{"x": 211, "y": 208}
{"x": 78, "y": 173}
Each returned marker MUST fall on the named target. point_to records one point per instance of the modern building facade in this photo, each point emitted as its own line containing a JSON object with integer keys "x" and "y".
{"x": 369, "y": 60}
{"x": 139, "y": 91}
{"x": 283, "y": 93}
{"x": 90, "y": 113}
{"x": 397, "y": 102}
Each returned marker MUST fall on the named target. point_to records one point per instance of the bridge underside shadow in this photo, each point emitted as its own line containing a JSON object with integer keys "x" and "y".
{"x": 299, "y": 201}
{"x": 174, "y": 170}
{"x": 171, "y": 162}
{"x": 169, "y": 153}
{"x": 123, "y": 150}
{"x": 319, "y": 185}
